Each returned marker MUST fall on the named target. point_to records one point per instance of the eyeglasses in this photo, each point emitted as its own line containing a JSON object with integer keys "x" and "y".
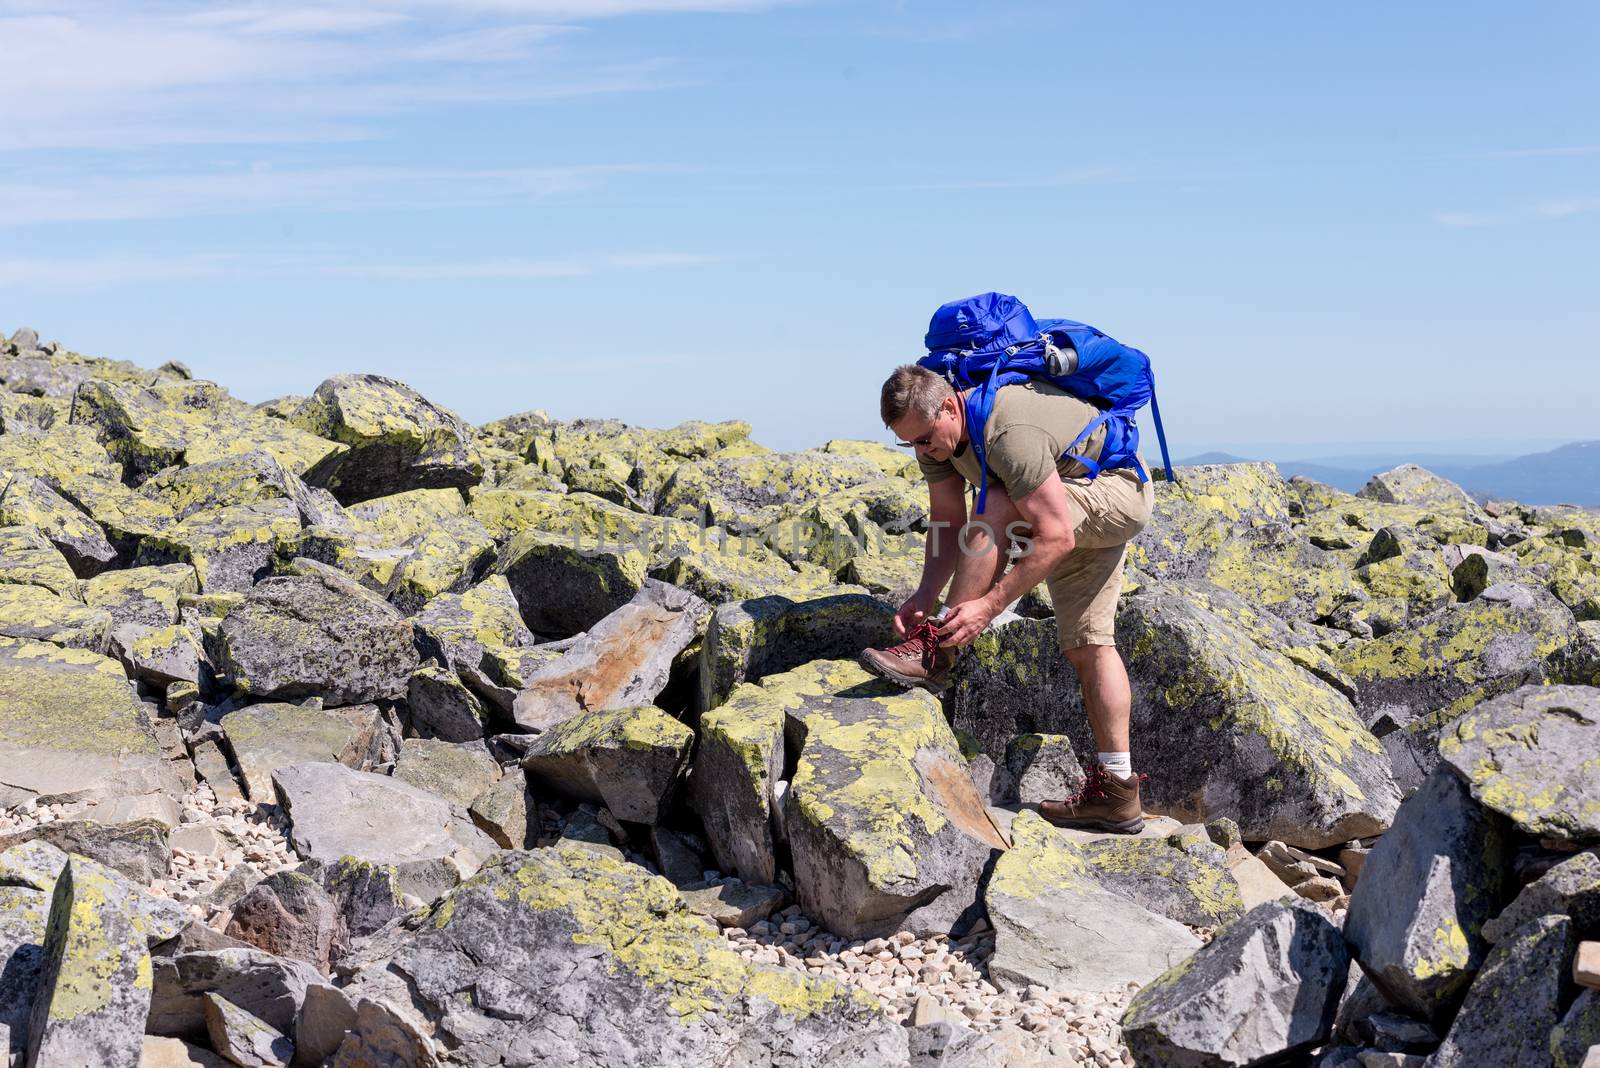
{"x": 917, "y": 443}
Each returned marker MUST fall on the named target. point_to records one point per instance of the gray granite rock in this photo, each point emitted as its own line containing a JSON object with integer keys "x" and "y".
{"x": 268, "y": 987}
{"x": 1514, "y": 1004}
{"x": 1571, "y": 888}
{"x": 1576, "y": 1038}
{"x": 138, "y": 848}
{"x": 288, "y": 914}
{"x": 628, "y": 758}
{"x": 275, "y": 734}
{"x": 1184, "y": 877}
{"x": 242, "y": 1038}
{"x": 457, "y": 772}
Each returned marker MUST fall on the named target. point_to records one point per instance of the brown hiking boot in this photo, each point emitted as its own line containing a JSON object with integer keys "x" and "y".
{"x": 1105, "y": 802}
{"x": 917, "y": 661}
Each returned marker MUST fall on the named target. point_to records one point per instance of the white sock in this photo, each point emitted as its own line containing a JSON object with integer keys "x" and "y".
{"x": 1120, "y": 764}
{"x": 938, "y": 617}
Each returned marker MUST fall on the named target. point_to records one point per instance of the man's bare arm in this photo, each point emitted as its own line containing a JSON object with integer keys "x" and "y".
{"x": 947, "y": 513}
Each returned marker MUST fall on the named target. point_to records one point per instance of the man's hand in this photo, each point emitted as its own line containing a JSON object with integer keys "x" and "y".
{"x": 914, "y": 611}
{"x": 966, "y": 621}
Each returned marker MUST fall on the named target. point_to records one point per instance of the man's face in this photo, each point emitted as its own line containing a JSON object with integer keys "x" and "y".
{"x": 935, "y": 438}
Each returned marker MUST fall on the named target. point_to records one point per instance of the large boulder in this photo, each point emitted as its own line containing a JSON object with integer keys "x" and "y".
{"x": 1267, "y": 986}
{"x": 244, "y": 478}
{"x": 1426, "y": 890}
{"x": 1575, "y": 1039}
{"x": 35, "y": 613}
{"x": 230, "y": 547}
{"x": 744, "y": 494}
{"x": 479, "y": 634}
{"x": 94, "y": 982}
{"x": 72, "y": 730}
{"x": 750, "y": 639}
{"x": 885, "y": 827}
{"x": 1230, "y": 727}
{"x": 271, "y": 988}
{"x": 457, "y": 772}
{"x": 1515, "y": 1002}
{"x": 410, "y": 546}
{"x": 144, "y": 596}
{"x": 642, "y": 979}
{"x": 317, "y": 633}
{"x": 137, "y": 849}
{"x": 36, "y": 865}
{"x": 273, "y": 735}
{"x": 567, "y": 585}
{"x": 1184, "y": 877}
{"x": 1038, "y": 898}
{"x": 397, "y": 439}
{"x": 1418, "y": 487}
{"x": 28, "y": 559}
{"x": 337, "y": 812}
{"x": 628, "y": 758}
{"x": 1571, "y": 888}
{"x": 623, "y": 660}
{"x": 1530, "y": 755}
{"x": 29, "y": 501}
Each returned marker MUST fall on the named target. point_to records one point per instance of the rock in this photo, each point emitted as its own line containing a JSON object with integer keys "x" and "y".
{"x": 480, "y": 635}
{"x": 1257, "y": 883}
{"x": 1391, "y": 1032}
{"x": 1423, "y": 676}
{"x": 243, "y": 478}
{"x": 1514, "y": 1003}
{"x": 884, "y": 825}
{"x": 158, "y": 656}
{"x": 951, "y": 1044}
{"x": 72, "y": 730}
{"x": 676, "y": 857}
{"x": 230, "y": 548}
{"x": 1431, "y": 883}
{"x": 442, "y": 707}
{"x": 320, "y": 1028}
{"x": 27, "y": 558}
{"x": 1418, "y": 487}
{"x": 317, "y": 633}
{"x": 176, "y": 1053}
{"x": 24, "y": 912}
{"x": 94, "y": 979}
{"x": 337, "y": 812}
{"x": 1586, "y": 965}
{"x": 289, "y": 915}
{"x": 1040, "y": 767}
{"x": 1574, "y": 1042}
{"x": 622, "y": 661}
{"x": 29, "y": 501}
{"x": 276, "y": 734}
{"x": 1295, "y": 866}
{"x": 1571, "y": 888}
{"x": 138, "y": 848}
{"x": 628, "y": 758}
{"x": 1527, "y": 755}
{"x": 565, "y": 585}
{"x": 459, "y": 773}
{"x": 584, "y": 829}
{"x": 733, "y": 569}
{"x": 37, "y": 865}
{"x": 1234, "y": 728}
{"x": 410, "y": 546}
{"x": 1224, "y": 833}
{"x": 368, "y": 895}
{"x": 643, "y": 978}
{"x": 213, "y": 768}
{"x": 734, "y": 903}
{"x": 1267, "y": 985}
{"x": 270, "y": 988}
{"x": 381, "y": 1034}
{"x": 243, "y": 1039}
{"x": 1184, "y": 877}
{"x": 183, "y": 423}
{"x": 36, "y": 614}
{"x": 506, "y": 810}
{"x": 745, "y": 494}
{"x": 751, "y": 639}
{"x": 1036, "y": 897}
{"x": 398, "y": 440}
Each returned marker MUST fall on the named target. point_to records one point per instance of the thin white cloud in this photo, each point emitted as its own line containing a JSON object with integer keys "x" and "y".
{"x": 511, "y": 269}
{"x": 112, "y": 270}
{"x": 1522, "y": 153}
{"x": 1550, "y": 209}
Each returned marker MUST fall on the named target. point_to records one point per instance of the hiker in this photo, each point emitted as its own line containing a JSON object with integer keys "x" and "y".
{"x": 1060, "y": 492}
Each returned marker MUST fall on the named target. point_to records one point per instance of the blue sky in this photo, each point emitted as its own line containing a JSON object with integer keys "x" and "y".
{"x": 1363, "y": 225}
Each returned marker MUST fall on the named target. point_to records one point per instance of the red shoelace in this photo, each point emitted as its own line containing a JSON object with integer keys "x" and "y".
{"x": 1094, "y": 784}
{"x": 922, "y": 643}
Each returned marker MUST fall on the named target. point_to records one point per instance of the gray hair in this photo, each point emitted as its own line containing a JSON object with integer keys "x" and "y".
{"x": 912, "y": 390}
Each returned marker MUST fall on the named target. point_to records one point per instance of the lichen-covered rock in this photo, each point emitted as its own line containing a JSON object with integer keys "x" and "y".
{"x": 1266, "y": 986}
{"x": 27, "y": 558}
{"x": 584, "y": 519}
{"x": 29, "y": 501}
{"x": 740, "y": 759}
{"x": 149, "y": 429}
{"x": 628, "y": 758}
{"x": 230, "y": 547}
{"x": 1417, "y": 487}
{"x": 142, "y": 595}
{"x": 274, "y": 735}
{"x": 1402, "y": 566}
{"x": 317, "y": 633}
{"x": 884, "y": 824}
{"x": 51, "y": 372}
{"x": 886, "y": 458}
{"x": 242, "y": 1038}
{"x": 566, "y": 585}
{"x": 289, "y": 915}
{"x": 745, "y": 493}
{"x": 456, "y": 772}
{"x": 1426, "y": 890}
{"x": 1038, "y": 767}
{"x": 94, "y": 982}
{"x": 1571, "y": 888}
{"x": 1235, "y": 729}
{"x": 1569, "y": 571}
{"x": 1039, "y": 900}
{"x": 1184, "y": 877}
{"x": 622, "y": 661}
{"x": 1515, "y": 1001}
{"x": 269, "y": 987}
{"x": 729, "y": 571}
{"x": 441, "y": 706}
{"x": 397, "y": 439}
{"x": 337, "y": 812}
{"x": 59, "y": 454}
{"x": 244, "y": 478}
{"x": 479, "y": 634}
{"x": 72, "y": 730}
{"x": 642, "y": 979}
{"x": 506, "y": 810}
{"x": 1533, "y": 755}
{"x": 136, "y": 849}
{"x": 750, "y": 639}
{"x": 410, "y": 546}
{"x": 35, "y": 613}
{"x": 36, "y": 865}
{"x": 1575, "y": 1038}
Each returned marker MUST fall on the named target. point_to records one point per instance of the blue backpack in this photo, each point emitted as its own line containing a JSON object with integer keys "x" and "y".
{"x": 991, "y": 340}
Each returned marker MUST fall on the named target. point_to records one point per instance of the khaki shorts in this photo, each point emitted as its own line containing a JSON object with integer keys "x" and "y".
{"x": 1107, "y": 512}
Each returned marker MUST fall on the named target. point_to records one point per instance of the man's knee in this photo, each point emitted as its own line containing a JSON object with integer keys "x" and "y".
{"x": 1083, "y": 655}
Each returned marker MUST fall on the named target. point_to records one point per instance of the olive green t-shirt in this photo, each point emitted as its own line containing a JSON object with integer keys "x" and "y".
{"x": 1028, "y": 431}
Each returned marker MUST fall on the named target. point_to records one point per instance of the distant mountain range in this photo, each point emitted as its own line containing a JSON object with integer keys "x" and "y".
{"x": 1567, "y": 475}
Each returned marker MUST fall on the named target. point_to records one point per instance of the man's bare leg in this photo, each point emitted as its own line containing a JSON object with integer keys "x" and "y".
{"x": 1107, "y": 695}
